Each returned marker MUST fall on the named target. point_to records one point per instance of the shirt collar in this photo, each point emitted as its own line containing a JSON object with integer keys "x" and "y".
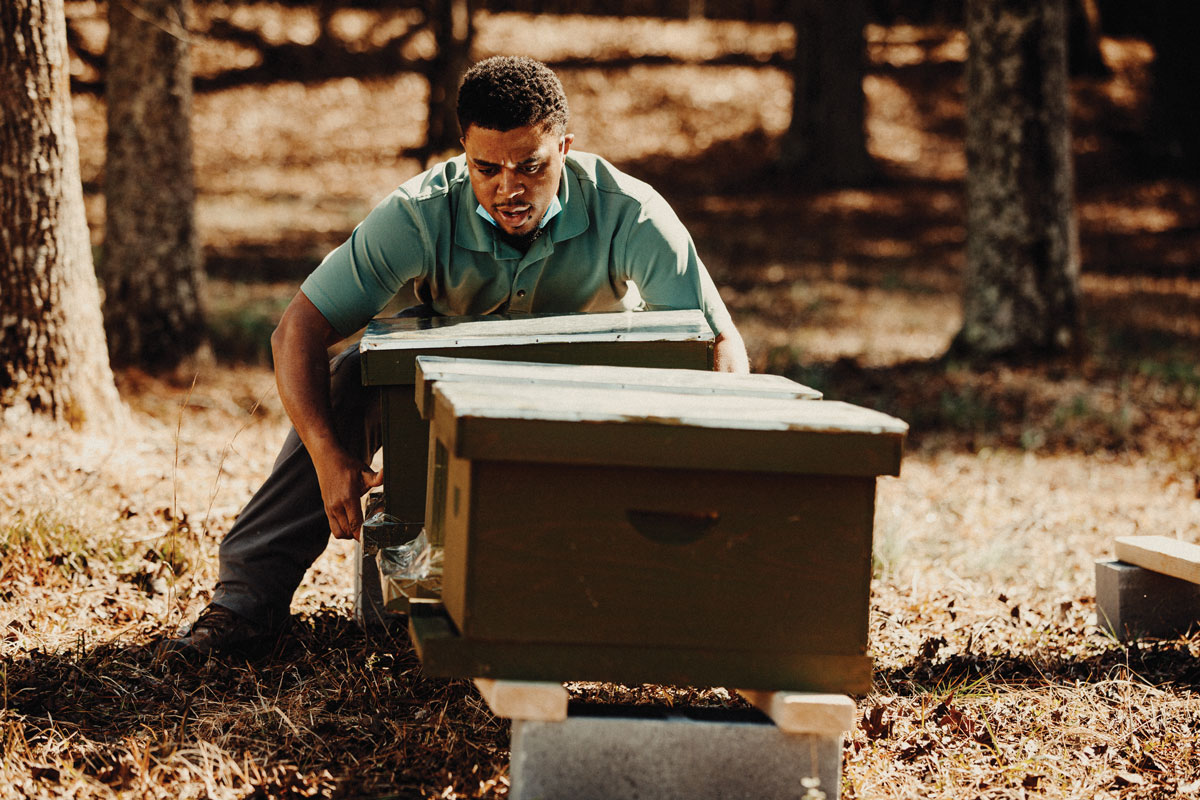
{"x": 551, "y": 213}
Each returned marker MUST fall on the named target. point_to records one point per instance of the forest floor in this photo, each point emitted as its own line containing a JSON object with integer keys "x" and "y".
{"x": 993, "y": 678}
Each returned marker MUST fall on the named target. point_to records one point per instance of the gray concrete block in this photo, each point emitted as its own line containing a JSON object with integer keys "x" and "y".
{"x": 1133, "y": 602}
{"x": 608, "y": 754}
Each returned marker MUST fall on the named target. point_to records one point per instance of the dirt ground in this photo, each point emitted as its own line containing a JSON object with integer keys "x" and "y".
{"x": 993, "y": 679}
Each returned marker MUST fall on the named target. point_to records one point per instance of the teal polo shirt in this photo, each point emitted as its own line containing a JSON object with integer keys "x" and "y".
{"x": 614, "y": 231}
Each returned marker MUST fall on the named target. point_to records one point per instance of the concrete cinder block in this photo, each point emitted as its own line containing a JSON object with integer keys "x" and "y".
{"x": 629, "y": 754}
{"x": 1133, "y": 602}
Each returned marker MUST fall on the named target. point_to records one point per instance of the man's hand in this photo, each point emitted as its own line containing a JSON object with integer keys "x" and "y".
{"x": 729, "y": 353}
{"x": 299, "y": 346}
{"x": 344, "y": 480}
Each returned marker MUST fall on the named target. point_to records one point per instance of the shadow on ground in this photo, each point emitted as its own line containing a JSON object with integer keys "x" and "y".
{"x": 329, "y": 696}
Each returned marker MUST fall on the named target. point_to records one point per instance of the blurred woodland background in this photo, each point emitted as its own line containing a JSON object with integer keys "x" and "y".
{"x": 240, "y": 141}
{"x": 983, "y": 218}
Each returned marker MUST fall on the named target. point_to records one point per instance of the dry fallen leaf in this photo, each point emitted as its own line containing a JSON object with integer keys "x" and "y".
{"x": 1129, "y": 779}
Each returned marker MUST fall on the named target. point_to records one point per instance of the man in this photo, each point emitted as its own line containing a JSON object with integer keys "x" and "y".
{"x": 515, "y": 224}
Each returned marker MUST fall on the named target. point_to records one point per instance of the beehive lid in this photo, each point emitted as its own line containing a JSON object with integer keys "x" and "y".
{"x": 621, "y": 426}
{"x": 437, "y": 370}
{"x": 389, "y": 345}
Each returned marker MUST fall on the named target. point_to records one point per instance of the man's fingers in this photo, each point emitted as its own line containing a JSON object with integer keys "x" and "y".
{"x": 336, "y": 524}
{"x": 345, "y": 519}
{"x": 355, "y": 520}
{"x": 345, "y": 490}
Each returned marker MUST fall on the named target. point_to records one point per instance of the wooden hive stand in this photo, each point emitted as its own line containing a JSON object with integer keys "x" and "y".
{"x": 1151, "y": 589}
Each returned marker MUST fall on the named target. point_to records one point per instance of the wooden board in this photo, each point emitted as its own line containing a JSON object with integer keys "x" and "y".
{"x": 389, "y": 347}
{"x": 540, "y": 402}
{"x": 572, "y": 425}
{"x": 1161, "y": 554}
{"x": 444, "y": 653}
{"x": 435, "y": 370}
{"x": 542, "y": 701}
{"x": 804, "y": 712}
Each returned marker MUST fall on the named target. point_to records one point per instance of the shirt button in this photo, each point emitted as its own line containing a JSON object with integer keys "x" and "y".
{"x": 520, "y": 292}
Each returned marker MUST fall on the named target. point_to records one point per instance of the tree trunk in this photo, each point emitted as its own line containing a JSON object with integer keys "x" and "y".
{"x": 826, "y": 141}
{"x": 151, "y": 265}
{"x": 453, "y": 24}
{"x": 1021, "y": 288}
{"x": 53, "y": 361}
{"x": 1173, "y": 130}
{"x": 1084, "y": 56}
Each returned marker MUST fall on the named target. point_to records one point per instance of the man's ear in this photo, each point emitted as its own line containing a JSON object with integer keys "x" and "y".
{"x": 567, "y": 139}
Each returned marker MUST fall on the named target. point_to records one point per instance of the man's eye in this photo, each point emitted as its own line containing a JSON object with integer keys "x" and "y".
{"x": 530, "y": 169}
{"x": 487, "y": 170}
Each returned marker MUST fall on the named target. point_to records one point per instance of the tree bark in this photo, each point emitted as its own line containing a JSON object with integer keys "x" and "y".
{"x": 151, "y": 264}
{"x": 1084, "y": 56}
{"x": 826, "y": 141}
{"x": 1021, "y": 287}
{"x": 453, "y": 24}
{"x": 53, "y": 361}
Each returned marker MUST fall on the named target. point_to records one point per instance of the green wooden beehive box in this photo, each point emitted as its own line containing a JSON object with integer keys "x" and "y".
{"x": 633, "y": 535}
{"x": 391, "y": 346}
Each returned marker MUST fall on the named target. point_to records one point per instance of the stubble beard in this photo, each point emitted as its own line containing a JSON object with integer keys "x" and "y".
{"x": 522, "y": 241}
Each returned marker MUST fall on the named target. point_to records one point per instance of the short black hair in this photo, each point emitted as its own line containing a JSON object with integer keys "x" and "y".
{"x": 505, "y": 92}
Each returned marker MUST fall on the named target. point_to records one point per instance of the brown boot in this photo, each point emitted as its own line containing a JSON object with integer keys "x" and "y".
{"x": 219, "y": 630}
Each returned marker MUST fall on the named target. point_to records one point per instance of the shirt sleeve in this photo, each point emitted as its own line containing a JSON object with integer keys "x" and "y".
{"x": 358, "y": 278}
{"x": 661, "y": 260}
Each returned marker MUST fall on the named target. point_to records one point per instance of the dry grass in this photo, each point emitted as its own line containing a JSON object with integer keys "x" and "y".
{"x": 992, "y": 676}
{"x": 993, "y": 679}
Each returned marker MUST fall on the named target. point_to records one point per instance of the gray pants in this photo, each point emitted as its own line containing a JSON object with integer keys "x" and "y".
{"x": 283, "y": 528}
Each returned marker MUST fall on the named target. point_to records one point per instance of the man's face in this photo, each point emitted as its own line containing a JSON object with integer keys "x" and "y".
{"x": 515, "y": 173}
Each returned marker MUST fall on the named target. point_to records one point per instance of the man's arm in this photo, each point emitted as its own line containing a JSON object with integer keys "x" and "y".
{"x": 660, "y": 258}
{"x": 729, "y": 352}
{"x": 300, "y": 348}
